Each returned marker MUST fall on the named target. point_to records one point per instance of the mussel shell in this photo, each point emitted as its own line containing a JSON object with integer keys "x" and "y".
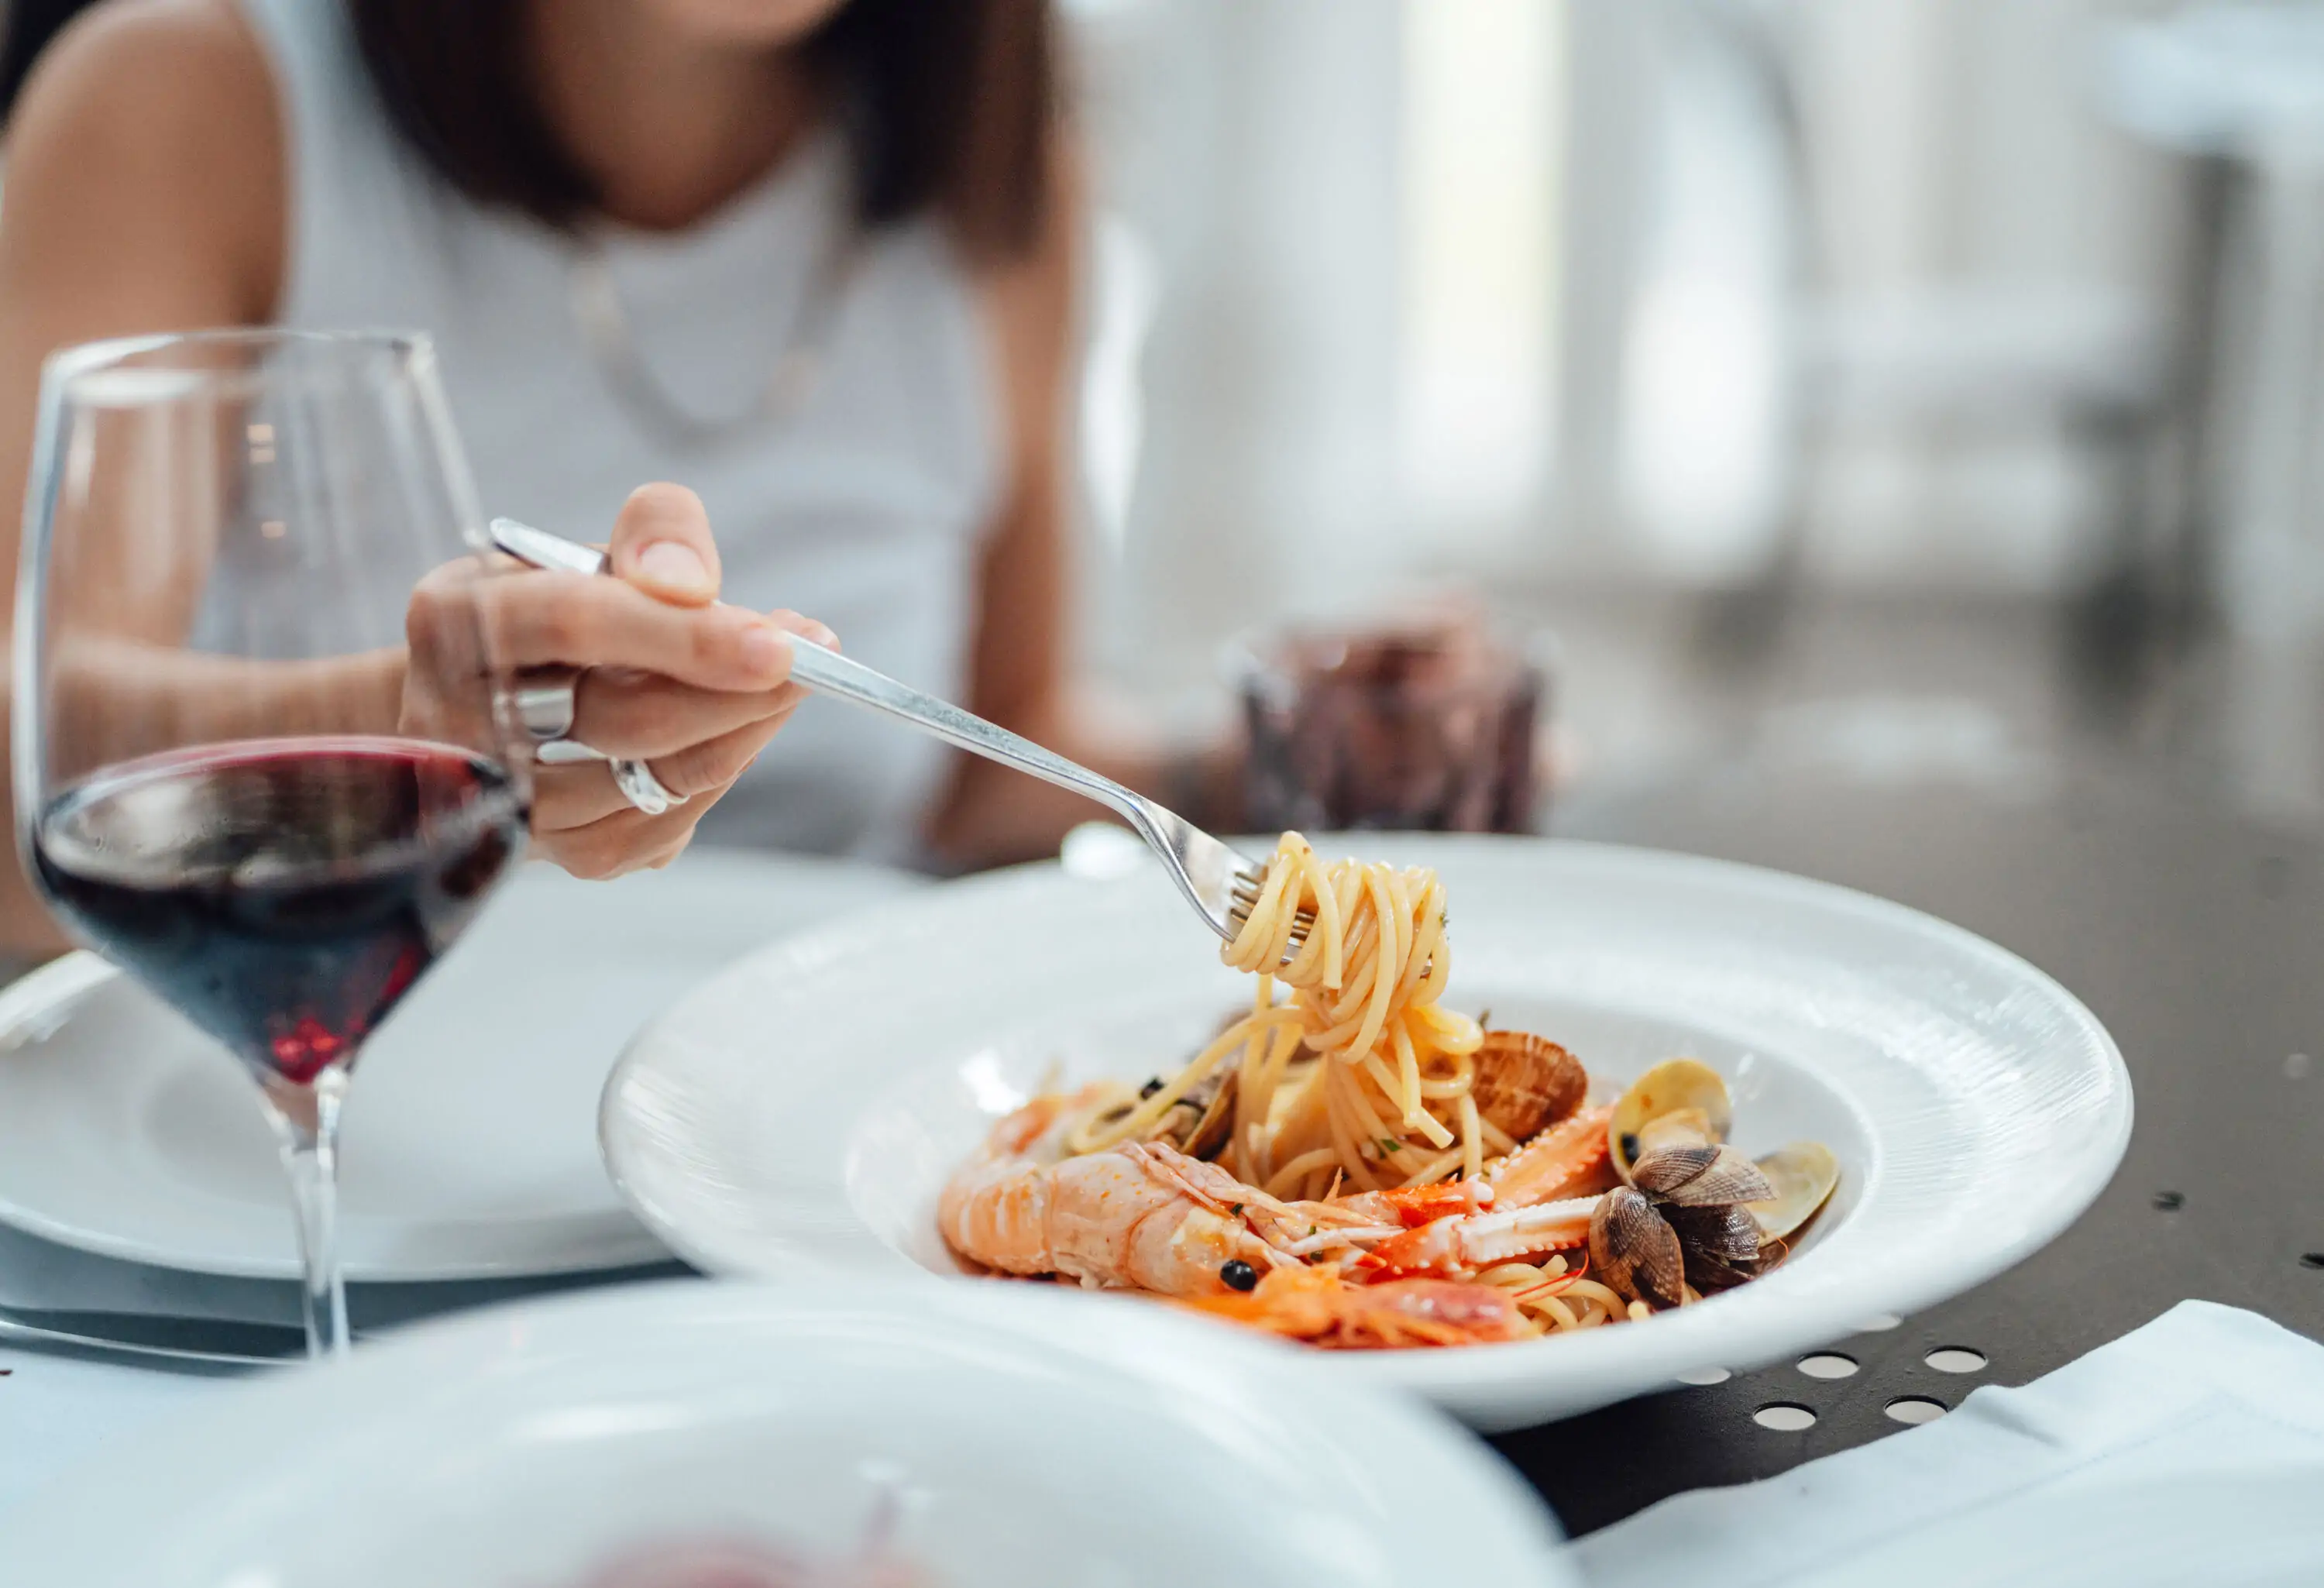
{"x": 1799, "y": 1179}
{"x": 1634, "y": 1250}
{"x": 1700, "y": 1177}
{"x": 1524, "y": 1083}
{"x": 1670, "y": 1087}
{"x": 1728, "y": 1232}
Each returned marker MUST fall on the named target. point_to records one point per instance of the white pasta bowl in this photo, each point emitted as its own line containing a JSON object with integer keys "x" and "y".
{"x": 795, "y": 1116}
{"x": 996, "y": 1439}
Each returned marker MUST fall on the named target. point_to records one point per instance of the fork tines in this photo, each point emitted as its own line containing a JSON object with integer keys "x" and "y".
{"x": 1245, "y": 894}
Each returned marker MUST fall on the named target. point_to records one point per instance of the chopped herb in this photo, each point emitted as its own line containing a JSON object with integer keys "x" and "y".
{"x": 1151, "y": 1088}
{"x": 1235, "y": 1208}
{"x": 1485, "y": 1020}
{"x": 1390, "y": 1145}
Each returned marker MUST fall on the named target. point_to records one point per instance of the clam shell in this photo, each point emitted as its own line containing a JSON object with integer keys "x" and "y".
{"x": 1211, "y": 1131}
{"x": 1200, "y": 1123}
{"x": 1683, "y": 1087}
{"x": 1709, "y": 1275}
{"x": 1635, "y": 1250}
{"x": 1684, "y": 1127}
{"x": 1700, "y": 1177}
{"x": 1728, "y": 1233}
{"x": 1799, "y": 1179}
{"x": 1526, "y": 1084}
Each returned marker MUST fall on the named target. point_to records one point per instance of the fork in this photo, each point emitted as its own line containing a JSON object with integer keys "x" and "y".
{"x": 1220, "y": 882}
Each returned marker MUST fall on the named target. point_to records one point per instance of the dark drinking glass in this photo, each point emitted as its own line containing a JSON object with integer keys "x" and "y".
{"x": 1423, "y": 728}
{"x": 234, "y": 777}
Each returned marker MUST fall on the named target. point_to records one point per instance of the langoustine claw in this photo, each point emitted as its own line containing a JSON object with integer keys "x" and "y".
{"x": 1564, "y": 1160}
{"x": 1450, "y": 1247}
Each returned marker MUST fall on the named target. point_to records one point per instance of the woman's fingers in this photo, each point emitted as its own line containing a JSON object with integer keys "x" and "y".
{"x": 714, "y": 764}
{"x": 661, "y": 544}
{"x": 805, "y": 628}
{"x": 571, "y": 798}
{"x": 629, "y": 714}
{"x": 627, "y": 841}
{"x": 538, "y": 618}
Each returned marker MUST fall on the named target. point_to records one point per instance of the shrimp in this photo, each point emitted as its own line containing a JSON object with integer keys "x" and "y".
{"x": 1568, "y": 1158}
{"x": 1459, "y": 1244}
{"x": 1140, "y": 1215}
{"x": 1314, "y": 1304}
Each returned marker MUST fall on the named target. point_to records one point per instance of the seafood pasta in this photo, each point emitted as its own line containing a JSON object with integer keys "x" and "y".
{"x": 1353, "y": 1163}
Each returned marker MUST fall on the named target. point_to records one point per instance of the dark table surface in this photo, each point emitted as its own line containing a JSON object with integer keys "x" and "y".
{"x": 2197, "y": 936}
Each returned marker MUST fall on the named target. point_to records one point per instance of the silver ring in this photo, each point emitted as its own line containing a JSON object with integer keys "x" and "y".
{"x": 566, "y": 752}
{"x": 641, "y": 788}
{"x": 545, "y": 703}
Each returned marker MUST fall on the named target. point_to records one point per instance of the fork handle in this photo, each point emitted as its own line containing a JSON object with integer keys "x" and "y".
{"x": 827, "y": 672}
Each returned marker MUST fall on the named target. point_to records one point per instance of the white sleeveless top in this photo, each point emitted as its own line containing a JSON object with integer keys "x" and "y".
{"x": 862, "y": 508}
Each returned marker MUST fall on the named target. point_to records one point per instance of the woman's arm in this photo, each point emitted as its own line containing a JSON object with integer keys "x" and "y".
{"x": 143, "y": 193}
{"x": 1019, "y": 664}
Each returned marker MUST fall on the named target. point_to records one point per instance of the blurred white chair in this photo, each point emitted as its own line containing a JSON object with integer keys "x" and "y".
{"x": 1966, "y": 360}
{"x": 2238, "y": 90}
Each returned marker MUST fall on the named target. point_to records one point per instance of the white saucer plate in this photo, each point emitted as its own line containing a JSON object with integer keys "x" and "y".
{"x": 1016, "y": 1446}
{"x": 470, "y": 1147}
{"x": 797, "y": 1115}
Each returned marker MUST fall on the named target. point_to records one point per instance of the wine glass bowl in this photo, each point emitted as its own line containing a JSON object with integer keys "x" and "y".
{"x": 233, "y": 777}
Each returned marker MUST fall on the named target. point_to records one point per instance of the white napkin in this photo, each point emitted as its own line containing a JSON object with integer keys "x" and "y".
{"x": 2188, "y": 1451}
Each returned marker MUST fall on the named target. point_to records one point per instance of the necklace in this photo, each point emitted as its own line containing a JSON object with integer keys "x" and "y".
{"x": 596, "y": 303}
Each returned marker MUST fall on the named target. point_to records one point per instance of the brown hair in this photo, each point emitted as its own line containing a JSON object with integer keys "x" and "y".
{"x": 947, "y": 104}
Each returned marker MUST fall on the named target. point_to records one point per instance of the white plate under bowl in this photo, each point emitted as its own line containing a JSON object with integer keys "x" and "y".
{"x": 796, "y": 1114}
{"x": 1022, "y": 1447}
{"x": 470, "y": 1145}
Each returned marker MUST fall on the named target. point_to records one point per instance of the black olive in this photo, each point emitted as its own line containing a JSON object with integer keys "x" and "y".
{"x": 1151, "y": 1088}
{"x": 1238, "y": 1274}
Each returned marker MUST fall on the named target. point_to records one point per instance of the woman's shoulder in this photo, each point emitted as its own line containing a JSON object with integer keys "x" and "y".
{"x": 164, "y": 110}
{"x": 130, "y": 72}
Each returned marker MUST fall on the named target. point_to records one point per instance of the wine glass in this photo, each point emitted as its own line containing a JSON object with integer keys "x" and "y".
{"x": 233, "y": 777}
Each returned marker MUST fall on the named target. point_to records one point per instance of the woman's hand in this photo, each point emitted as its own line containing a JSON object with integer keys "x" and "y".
{"x": 693, "y": 688}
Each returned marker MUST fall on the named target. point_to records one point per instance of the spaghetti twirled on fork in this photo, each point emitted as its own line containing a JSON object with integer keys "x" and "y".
{"x": 1361, "y": 1075}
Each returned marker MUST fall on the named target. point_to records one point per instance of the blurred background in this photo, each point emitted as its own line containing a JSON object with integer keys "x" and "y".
{"x": 1922, "y": 389}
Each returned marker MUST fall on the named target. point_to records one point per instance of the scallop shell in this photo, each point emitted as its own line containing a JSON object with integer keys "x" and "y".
{"x": 1633, "y": 1249}
{"x": 1679, "y": 1100}
{"x": 1524, "y": 1083}
{"x": 1801, "y": 1178}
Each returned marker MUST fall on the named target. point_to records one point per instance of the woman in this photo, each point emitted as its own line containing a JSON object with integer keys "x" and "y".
{"x": 811, "y": 256}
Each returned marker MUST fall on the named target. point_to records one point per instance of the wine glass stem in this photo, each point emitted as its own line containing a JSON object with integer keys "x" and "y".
{"x": 307, "y": 1123}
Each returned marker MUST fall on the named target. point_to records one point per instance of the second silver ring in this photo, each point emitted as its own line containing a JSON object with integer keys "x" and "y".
{"x": 640, "y": 788}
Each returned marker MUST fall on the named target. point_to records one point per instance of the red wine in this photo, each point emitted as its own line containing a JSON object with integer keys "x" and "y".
{"x": 283, "y": 894}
